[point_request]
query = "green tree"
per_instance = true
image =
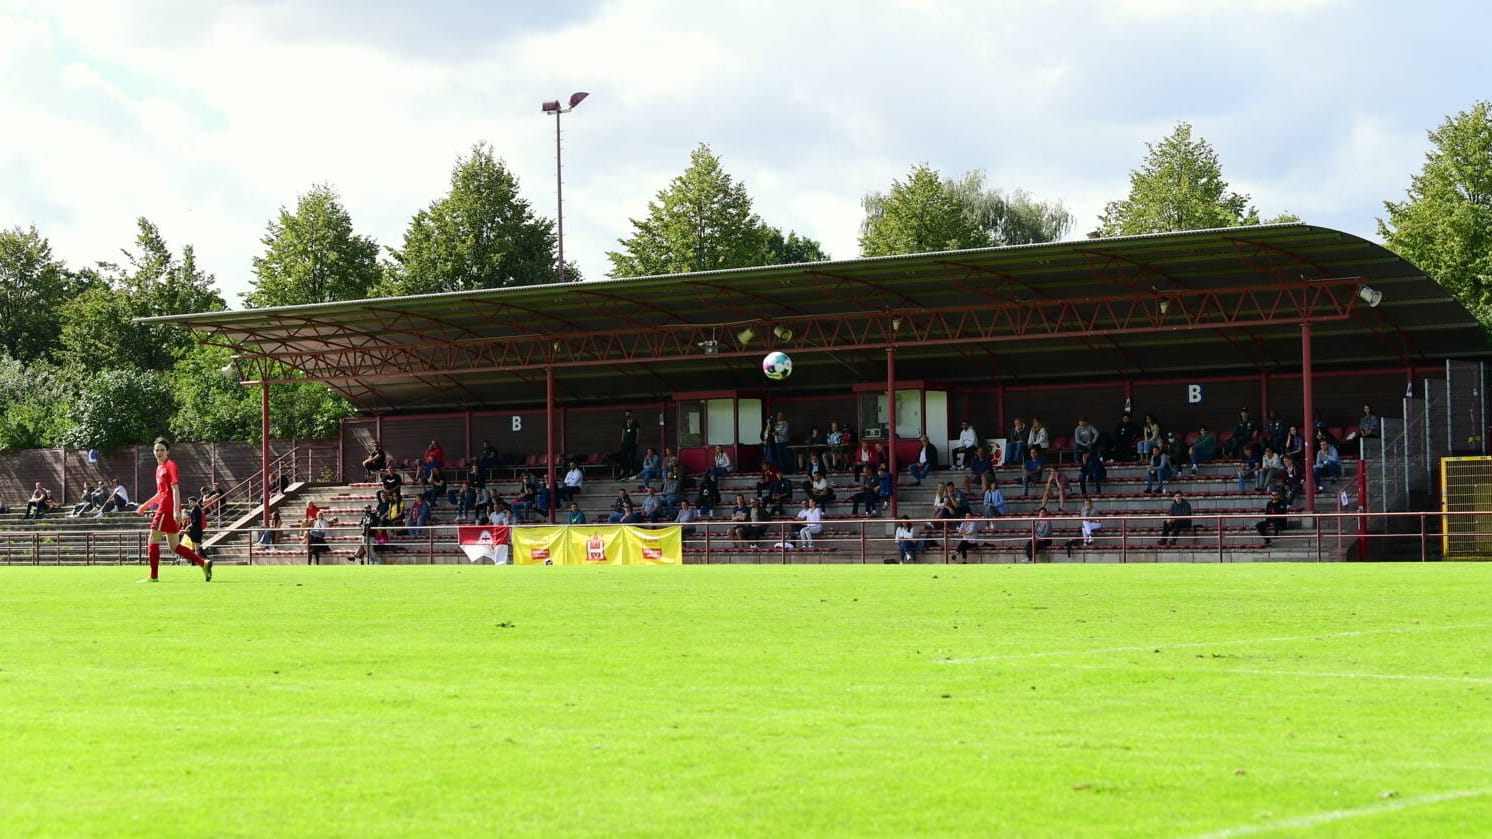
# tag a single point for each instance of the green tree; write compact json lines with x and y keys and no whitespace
{"x":1445,"y":224}
{"x":313,"y":255}
{"x":33,"y":404}
{"x":483,"y":234}
{"x":209,"y":404}
{"x":927,"y":212}
{"x":792,"y":249}
{"x":33,"y":285}
{"x":114,"y":408}
{"x":1179,"y":187}
{"x":703,"y":221}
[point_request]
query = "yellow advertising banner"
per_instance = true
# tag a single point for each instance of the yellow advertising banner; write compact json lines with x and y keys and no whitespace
{"x":598,"y":545}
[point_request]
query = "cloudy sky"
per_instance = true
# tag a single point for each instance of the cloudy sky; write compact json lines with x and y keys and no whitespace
{"x":207,"y":117}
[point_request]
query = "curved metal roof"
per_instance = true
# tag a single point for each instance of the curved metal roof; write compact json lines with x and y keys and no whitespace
{"x":1194,"y":302}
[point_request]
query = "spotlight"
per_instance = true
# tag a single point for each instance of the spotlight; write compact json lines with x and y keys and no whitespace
{"x":1165,"y":305}
{"x":1370,"y":296}
{"x":782,"y":333}
{"x":745,"y":335}
{"x":710,"y":347}
{"x":895,"y":322}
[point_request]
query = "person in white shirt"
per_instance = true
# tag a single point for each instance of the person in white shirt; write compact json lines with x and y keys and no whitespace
{"x":906,"y":545}
{"x":811,"y":516}
{"x":968,"y":443}
{"x":722,"y":462}
{"x":686,"y":516}
{"x":572,"y":484}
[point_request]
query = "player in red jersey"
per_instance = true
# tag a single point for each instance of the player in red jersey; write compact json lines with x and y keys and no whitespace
{"x":165,"y":524}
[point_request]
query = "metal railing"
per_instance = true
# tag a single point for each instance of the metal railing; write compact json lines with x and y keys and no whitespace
{"x":1225,"y":537}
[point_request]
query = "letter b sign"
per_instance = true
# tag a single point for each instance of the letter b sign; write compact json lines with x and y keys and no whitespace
{"x":517,"y":422}
{"x":1193,"y":394}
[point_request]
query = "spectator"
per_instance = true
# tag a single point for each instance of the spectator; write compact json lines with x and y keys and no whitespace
{"x":1092,"y":471}
{"x":1275,"y":517}
{"x":1058,"y":482}
{"x":864,"y":494}
{"x":1041,"y":535}
{"x":435,"y":489}
{"x":925,"y":462}
{"x":544,"y":500}
{"x":1292,"y":480}
{"x":1250,"y":465}
{"x":1033,"y":470}
{"x":1158,"y":472}
{"x":316,"y":538}
{"x":390,"y":481}
{"x":620,"y":505}
{"x":630,"y":515}
{"x":1270,"y":465}
{"x":526,"y":499}
{"x":1245,"y":432}
{"x":1294,"y":444}
{"x":574,"y":481}
{"x":1368,"y":424}
{"x":1038,"y":437}
{"x":653,"y":508}
{"x":838,"y":450}
{"x":1328,"y":463}
{"x":994,"y":501}
{"x":36,"y":505}
{"x":708,"y":495}
{"x":722,"y":465}
{"x":268,"y":535}
{"x":197,"y":526}
{"x":119,"y":499}
{"x":1127,"y":436}
{"x":811,"y":516}
{"x":981,"y":470}
{"x":686,"y":517}
{"x":813,"y":448}
{"x":433,"y":460}
{"x":782,"y":453}
{"x":1203,"y":449}
{"x":576,"y":516}
{"x":1274,"y":431}
{"x":780,"y":495}
{"x":820,"y":491}
{"x":419,"y":513}
{"x":672,"y":492}
{"x":885,"y":487}
{"x":628,"y":454}
{"x":1150,"y":436}
{"x":1015,"y":447}
{"x":1178,"y":519}
{"x":481,"y":506}
{"x":367,"y":529}
{"x":748,"y":522}
{"x":486,"y":459}
{"x":377,"y":458}
{"x":466,"y":501}
{"x":652,"y":468}
{"x":968,"y":444}
{"x":1179,"y":451}
{"x":92,"y":498}
{"x":1090,"y":526}
{"x":1084,"y":439}
{"x":906,"y":541}
{"x":864,"y":461}
{"x":966,"y":537}
{"x":767,"y":483}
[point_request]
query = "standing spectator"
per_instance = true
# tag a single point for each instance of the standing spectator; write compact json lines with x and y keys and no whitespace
{"x":1126,"y":438}
{"x":316,"y":538}
{"x":1178,"y":519}
{"x":628,"y":455}
{"x":1041,"y":535}
{"x":968,"y":443}
{"x":782,"y":453}
{"x":1275,"y":513}
{"x":1092,"y":471}
{"x":433,"y":460}
{"x":1368,"y":424}
{"x":1274,"y":431}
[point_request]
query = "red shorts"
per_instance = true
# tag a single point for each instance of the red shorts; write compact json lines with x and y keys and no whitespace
{"x":160,"y":521}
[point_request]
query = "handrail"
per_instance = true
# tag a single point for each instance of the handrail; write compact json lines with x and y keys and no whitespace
{"x":1325,"y":535}
{"x":252,"y":488}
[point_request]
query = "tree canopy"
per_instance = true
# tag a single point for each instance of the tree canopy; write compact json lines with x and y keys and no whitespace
{"x":927,"y":212}
{"x":482,"y":234}
{"x":1180,"y":186}
{"x":33,"y":285}
{"x":1445,"y":224}
{"x":313,"y":255}
{"x":704,"y":221}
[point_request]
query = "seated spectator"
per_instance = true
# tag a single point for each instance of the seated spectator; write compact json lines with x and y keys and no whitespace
{"x":36,"y":505}
{"x":768,"y":481}
{"x":631,"y":515}
{"x":708,"y":495}
{"x":906,"y":541}
{"x":419,"y":513}
{"x":815,"y":466}
{"x":780,"y":496}
{"x":1269,"y":467}
{"x":1203,"y":449}
{"x":1179,"y":451}
{"x":1090,"y":526}
{"x":722,"y":465}
{"x":1178,"y":519}
{"x":749,"y":524}
{"x":1150,"y":437}
{"x":994,"y":501}
{"x":821,"y":491}
{"x":118,"y":501}
{"x":1328,"y":463}
{"x":268,"y":535}
{"x":1084,"y":439}
{"x":811,"y":516}
{"x":865,"y":494}
{"x":653,"y":508}
{"x":486,"y":459}
{"x":968,"y":444}
{"x":524,"y":500}
{"x":1041,"y":535}
{"x":466,"y":501}
{"x":86,"y":500}
{"x":1037,"y":437}
{"x":1033,"y":470}
{"x":813,"y":447}
{"x":1294,"y":445}
{"x":1015,"y":446}
{"x":1276,"y":514}
{"x":544,"y":501}
{"x":316,"y":538}
{"x":576,"y":515}
{"x":837,"y":453}
{"x":1245,"y":432}
{"x":481,"y":508}
{"x":967,"y":538}
{"x":433,"y":460}
{"x":925,"y":461}
{"x":981,"y":470}
{"x":1292,"y":480}
{"x":672,"y":492}
{"x":390,"y":480}
{"x":1126,"y":438}
{"x":435,"y":489}
{"x":1092,"y":470}
{"x":686,"y":516}
{"x":1250,"y":463}
{"x":574,"y":481}
{"x":1274,"y":432}
{"x":864,"y":461}
{"x":885,"y":486}
{"x":620,"y":505}
{"x":652,"y":468}
{"x":377,"y":458}
{"x":1368,"y":425}
{"x":1158,"y":471}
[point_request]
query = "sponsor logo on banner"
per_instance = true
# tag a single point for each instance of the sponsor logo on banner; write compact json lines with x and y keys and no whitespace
{"x":482,"y":543}
{"x":595,"y":549}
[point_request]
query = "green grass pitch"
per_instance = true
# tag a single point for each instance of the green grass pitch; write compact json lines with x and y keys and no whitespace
{"x":898,"y":701}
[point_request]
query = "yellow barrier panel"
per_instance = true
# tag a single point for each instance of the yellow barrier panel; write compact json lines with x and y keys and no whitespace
{"x":598,"y":545}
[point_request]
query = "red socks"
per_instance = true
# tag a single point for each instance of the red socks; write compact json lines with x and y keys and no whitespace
{"x":185,"y":553}
{"x":153,"y":551}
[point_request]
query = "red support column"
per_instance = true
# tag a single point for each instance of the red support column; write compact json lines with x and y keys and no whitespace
{"x":264,"y":448}
{"x":891,"y":422}
{"x":1307,"y":425}
{"x":549,"y":440}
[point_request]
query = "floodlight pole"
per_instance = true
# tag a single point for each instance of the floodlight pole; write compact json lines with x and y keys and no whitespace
{"x":553,"y":107}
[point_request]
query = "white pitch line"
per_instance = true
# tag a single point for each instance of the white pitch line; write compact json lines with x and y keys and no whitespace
{"x":1337,"y":815}
{"x":1194,"y":644}
{"x":1228,"y":670}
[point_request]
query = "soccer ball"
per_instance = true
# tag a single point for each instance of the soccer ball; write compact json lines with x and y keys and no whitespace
{"x":777,"y":366}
